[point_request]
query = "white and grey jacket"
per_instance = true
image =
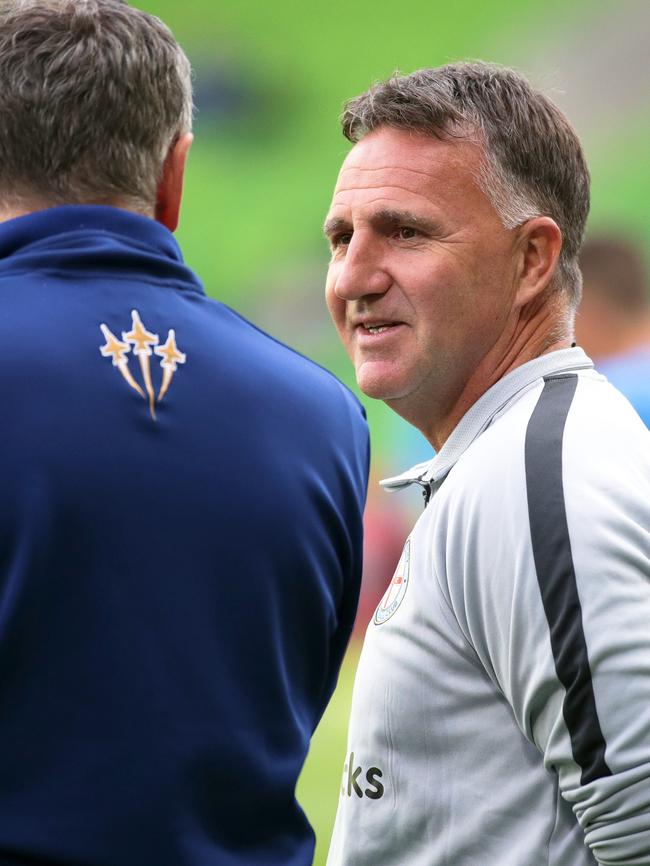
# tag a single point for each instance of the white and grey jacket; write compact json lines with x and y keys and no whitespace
{"x":501,"y":710}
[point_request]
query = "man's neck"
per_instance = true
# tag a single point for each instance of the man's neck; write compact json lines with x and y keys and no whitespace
{"x":11,"y":212}
{"x":479,"y":384}
{"x":538,"y":332}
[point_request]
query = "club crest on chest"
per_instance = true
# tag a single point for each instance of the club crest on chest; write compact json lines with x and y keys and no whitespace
{"x":396,"y":590}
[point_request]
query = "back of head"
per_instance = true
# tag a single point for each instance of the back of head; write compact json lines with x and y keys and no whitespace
{"x":532,"y":165}
{"x":92,"y":95}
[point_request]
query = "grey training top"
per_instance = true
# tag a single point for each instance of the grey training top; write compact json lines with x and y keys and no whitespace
{"x":501,"y":711}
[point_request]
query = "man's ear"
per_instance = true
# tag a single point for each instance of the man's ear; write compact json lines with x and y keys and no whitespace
{"x":170,"y":187}
{"x":540,"y":243}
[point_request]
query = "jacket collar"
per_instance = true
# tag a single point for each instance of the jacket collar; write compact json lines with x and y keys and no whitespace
{"x":93,"y":238}
{"x":481,"y":414}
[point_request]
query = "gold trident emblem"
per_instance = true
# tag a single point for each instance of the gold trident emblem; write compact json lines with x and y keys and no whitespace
{"x":142,"y":340}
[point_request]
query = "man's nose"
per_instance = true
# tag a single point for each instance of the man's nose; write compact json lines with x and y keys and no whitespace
{"x":362,"y":271}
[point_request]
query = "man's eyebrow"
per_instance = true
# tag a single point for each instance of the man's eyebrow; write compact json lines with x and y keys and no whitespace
{"x":334,"y":225}
{"x":384,"y":217}
{"x":390,"y":216}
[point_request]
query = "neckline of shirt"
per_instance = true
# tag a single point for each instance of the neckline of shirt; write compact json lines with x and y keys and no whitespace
{"x":478,"y":417}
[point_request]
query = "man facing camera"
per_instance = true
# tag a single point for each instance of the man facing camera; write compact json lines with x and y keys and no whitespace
{"x":180,"y":511}
{"x":501,"y":711}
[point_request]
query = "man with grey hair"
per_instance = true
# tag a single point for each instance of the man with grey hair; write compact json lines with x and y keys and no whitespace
{"x":182,"y":496}
{"x":501,"y":710}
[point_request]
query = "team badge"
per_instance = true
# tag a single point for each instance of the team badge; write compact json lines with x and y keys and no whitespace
{"x":396,"y":591}
{"x":143,"y":344}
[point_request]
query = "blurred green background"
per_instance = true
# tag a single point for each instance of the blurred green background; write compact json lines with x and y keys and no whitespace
{"x":270,"y":83}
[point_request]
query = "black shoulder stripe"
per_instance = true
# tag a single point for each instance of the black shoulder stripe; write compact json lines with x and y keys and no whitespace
{"x":556,"y":575}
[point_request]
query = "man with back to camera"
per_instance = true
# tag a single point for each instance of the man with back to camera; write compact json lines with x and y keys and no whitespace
{"x":181,"y":503}
{"x":501,"y":711}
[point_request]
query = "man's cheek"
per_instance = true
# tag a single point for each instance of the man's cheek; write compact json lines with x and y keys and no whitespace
{"x":336,"y":307}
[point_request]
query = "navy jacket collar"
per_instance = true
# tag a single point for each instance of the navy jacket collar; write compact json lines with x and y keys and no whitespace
{"x":95,"y":239}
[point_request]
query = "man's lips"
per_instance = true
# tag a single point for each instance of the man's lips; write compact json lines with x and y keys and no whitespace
{"x":376,"y":328}
{"x":373,"y":326}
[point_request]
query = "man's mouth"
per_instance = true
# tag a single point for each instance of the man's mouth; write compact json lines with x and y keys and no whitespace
{"x":377,"y":327}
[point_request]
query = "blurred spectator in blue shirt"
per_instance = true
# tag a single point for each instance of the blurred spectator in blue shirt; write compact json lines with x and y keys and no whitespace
{"x":613,"y":321}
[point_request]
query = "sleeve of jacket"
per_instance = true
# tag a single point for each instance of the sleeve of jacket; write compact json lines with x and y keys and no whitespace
{"x":352,"y":457}
{"x":556,"y":602}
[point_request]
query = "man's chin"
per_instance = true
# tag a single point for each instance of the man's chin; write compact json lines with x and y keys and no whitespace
{"x":380,"y":387}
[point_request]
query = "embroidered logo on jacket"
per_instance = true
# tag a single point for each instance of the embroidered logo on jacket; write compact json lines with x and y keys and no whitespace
{"x":396,"y":591}
{"x":143,"y":344}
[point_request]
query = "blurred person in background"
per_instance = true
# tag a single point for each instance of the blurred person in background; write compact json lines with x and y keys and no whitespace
{"x":501,"y":708}
{"x":613,"y":320}
{"x":181,"y":503}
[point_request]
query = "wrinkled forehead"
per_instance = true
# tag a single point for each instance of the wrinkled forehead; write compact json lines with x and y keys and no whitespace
{"x":404,"y":164}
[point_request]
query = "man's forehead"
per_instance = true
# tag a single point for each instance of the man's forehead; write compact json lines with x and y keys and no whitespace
{"x":395,"y":168}
{"x":403,"y":151}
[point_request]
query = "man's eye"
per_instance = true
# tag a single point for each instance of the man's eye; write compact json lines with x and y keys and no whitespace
{"x":406,"y":233}
{"x":341,"y":240}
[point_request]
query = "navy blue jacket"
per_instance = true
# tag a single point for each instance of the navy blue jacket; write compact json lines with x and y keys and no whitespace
{"x":180,"y":554}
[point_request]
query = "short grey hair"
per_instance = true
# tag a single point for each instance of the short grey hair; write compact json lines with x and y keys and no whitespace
{"x":532,"y":164}
{"x":93,"y":93}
